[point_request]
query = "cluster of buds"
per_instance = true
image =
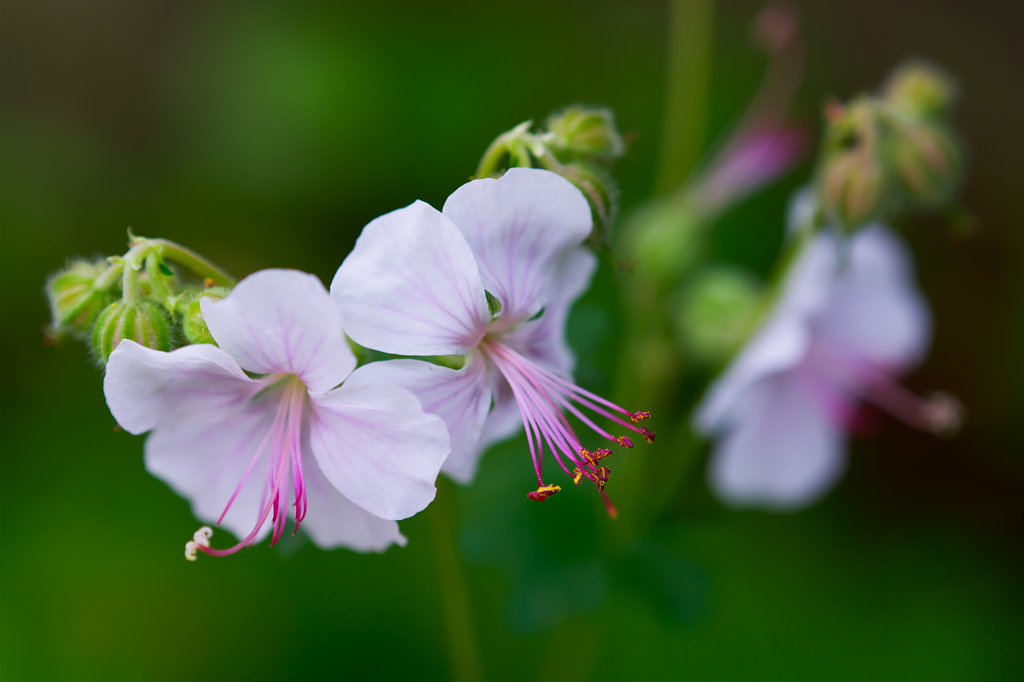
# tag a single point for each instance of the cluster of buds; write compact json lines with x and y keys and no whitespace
{"x":891,"y":153}
{"x":579,"y":143}
{"x":137,"y":296}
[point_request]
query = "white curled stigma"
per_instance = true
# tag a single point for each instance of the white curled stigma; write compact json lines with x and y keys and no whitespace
{"x":201,"y":538}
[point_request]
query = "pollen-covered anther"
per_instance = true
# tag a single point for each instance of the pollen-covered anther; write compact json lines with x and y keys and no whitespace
{"x":201,"y":538}
{"x":543,"y":492}
{"x":577,"y":474}
{"x":592,"y":458}
{"x":647,"y":434}
{"x":624,"y":441}
{"x":601,"y":477}
{"x":639,"y":416}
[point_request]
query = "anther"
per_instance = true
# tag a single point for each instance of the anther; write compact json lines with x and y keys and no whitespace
{"x":601,"y":477}
{"x":639,"y":416}
{"x":543,"y":492}
{"x":577,"y":474}
{"x":624,"y":441}
{"x":943,"y":413}
{"x":647,"y":434}
{"x":201,"y":538}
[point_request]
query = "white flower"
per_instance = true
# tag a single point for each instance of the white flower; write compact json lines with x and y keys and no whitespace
{"x":247,"y":453}
{"x":846,"y":323}
{"x":415,"y":285}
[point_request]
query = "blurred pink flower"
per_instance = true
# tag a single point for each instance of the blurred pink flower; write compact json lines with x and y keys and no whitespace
{"x":842,"y":329}
{"x":492,"y":277}
{"x":248,"y":453}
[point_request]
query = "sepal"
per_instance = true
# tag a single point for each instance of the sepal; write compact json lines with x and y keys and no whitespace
{"x":142,"y":321}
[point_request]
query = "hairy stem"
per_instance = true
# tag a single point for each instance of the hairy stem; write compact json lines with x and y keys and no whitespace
{"x":193,"y":261}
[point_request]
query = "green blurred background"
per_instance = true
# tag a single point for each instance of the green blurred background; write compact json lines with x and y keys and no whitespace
{"x":267,"y":134}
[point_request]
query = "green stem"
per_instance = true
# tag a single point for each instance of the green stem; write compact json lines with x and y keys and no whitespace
{"x":689,"y":66}
{"x":462,"y":653}
{"x":130,"y":277}
{"x":193,"y":261}
{"x":109,"y":276}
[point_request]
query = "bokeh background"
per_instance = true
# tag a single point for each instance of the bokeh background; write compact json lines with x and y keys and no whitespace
{"x":267,"y":134}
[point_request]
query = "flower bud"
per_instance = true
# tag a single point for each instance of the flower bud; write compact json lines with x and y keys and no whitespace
{"x":920,"y":89}
{"x":928,"y":163}
{"x":665,"y":239}
{"x":142,"y":321}
{"x":192,"y":322}
{"x":588,"y":132}
{"x":717,"y":313}
{"x":77,"y":296}
{"x":598,"y":187}
{"x":854,"y":188}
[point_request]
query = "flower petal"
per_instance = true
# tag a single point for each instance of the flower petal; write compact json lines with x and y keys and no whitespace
{"x":543,"y":339}
{"x":504,"y":421}
{"x":876,"y":310}
{"x":375,"y":444}
{"x":411,"y":286}
{"x":519,"y":227}
{"x":783,"y":452}
{"x":782,"y":342}
{"x":460,"y":397}
{"x":334,"y":521}
{"x":282,"y":321}
{"x":204,"y":463}
{"x":146,"y":388}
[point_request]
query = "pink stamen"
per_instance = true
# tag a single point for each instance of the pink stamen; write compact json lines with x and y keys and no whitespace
{"x":543,"y":398}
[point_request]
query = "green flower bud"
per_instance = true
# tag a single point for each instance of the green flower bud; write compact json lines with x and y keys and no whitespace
{"x":587,"y":132}
{"x":928,"y":163}
{"x":598,"y":187}
{"x":78,"y":293}
{"x":664,"y":239}
{"x":143,"y":321}
{"x":717,"y":313}
{"x":855,"y":188}
{"x":192,"y":322}
{"x":920,"y":89}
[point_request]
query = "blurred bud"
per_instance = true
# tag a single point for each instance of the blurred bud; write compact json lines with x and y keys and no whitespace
{"x":77,"y":295}
{"x":192,"y":322}
{"x":854,"y":188}
{"x":587,"y":132}
{"x":665,"y":239}
{"x":142,"y":321}
{"x":718,"y":313}
{"x":928,"y":163}
{"x":598,"y":187}
{"x":803,"y":212}
{"x":920,"y":89}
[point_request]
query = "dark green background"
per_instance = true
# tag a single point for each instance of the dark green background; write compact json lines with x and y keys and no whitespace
{"x":267,"y":135}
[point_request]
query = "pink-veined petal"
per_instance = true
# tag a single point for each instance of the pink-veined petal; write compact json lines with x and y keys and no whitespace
{"x":783,"y":451}
{"x":378,"y":447}
{"x":282,"y":321}
{"x":519,"y":228}
{"x":334,"y":521}
{"x":504,"y":421}
{"x":781,"y":343}
{"x":146,"y":388}
{"x":411,"y":286}
{"x":543,"y":339}
{"x":204,"y":463}
{"x":461,"y":398}
{"x":876,"y":311}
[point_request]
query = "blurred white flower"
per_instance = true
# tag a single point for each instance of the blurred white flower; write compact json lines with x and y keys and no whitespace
{"x":248,"y":453}
{"x":847,"y":322}
{"x":492,"y":277}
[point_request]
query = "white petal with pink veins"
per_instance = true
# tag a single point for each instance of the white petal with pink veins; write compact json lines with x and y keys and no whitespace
{"x":334,"y":521}
{"x":375,"y":444}
{"x":784,"y":451}
{"x":519,"y":227}
{"x":411,"y":286}
{"x":461,"y":398}
{"x":282,"y":321}
{"x":146,"y":388}
{"x":205,"y":464}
